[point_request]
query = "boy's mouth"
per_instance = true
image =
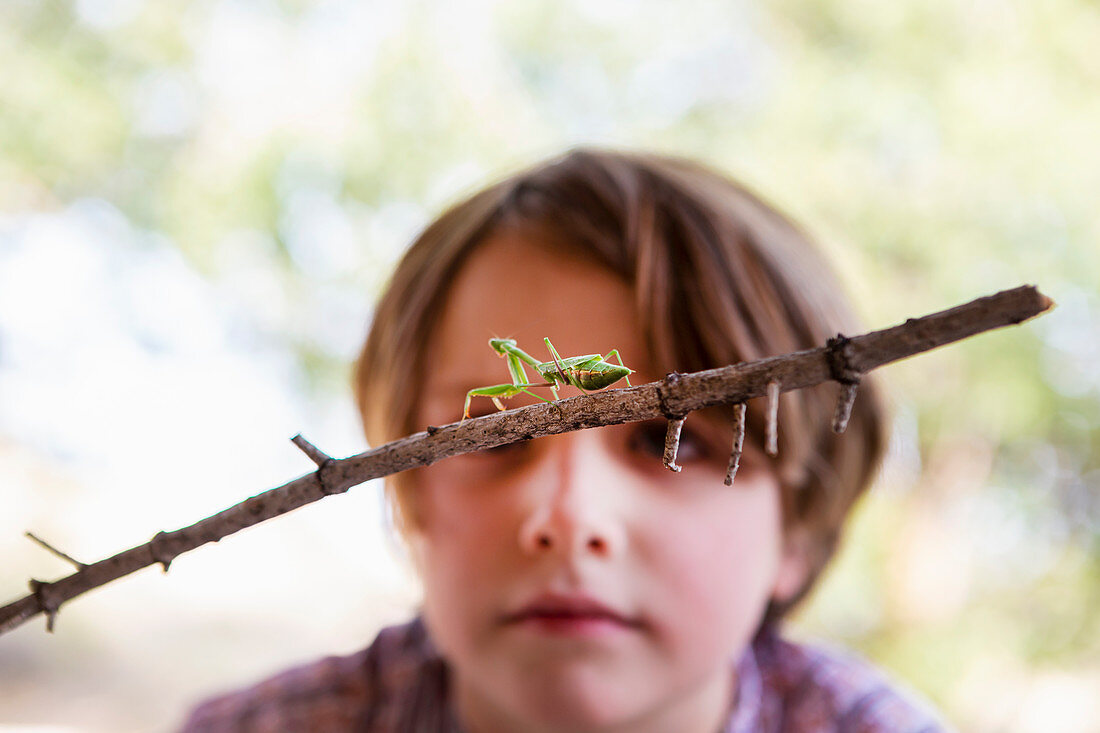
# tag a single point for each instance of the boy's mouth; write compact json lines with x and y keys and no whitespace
{"x":564,"y":611}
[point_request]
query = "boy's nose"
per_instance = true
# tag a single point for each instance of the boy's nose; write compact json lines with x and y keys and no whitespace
{"x":572,"y":514}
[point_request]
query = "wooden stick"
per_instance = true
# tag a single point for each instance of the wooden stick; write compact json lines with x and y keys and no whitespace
{"x":669,"y":398}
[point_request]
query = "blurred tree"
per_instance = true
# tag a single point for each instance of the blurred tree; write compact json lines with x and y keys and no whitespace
{"x":289,"y":150}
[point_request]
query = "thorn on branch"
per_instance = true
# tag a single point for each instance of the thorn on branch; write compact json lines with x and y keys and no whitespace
{"x":671,"y":380}
{"x":46,"y":602}
{"x":672,"y":443}
{"x":158,"y":551}
{"x":738,"y":442}
{"x":839,"y":353}
{"x":315,"y":454}
{"x":771,"y":425}
{"x":844,"y":402}
{"x":79,"y":565}
{"x":323,"y":461}
{"x":327,"y":488}
{"x":432,"y":429}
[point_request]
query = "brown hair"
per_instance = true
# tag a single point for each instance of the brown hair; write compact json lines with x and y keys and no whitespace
{"x":718,"y":277}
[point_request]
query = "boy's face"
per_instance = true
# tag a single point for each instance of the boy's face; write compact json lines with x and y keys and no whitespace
{"x":687,"y":563}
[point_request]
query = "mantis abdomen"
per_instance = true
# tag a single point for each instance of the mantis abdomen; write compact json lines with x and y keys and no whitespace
{"x":589,"y":379}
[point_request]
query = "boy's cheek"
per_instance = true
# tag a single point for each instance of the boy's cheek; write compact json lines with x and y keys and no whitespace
{"x":716,"y":569}
{"x":707,"y":606}
{"x":723,"y":553}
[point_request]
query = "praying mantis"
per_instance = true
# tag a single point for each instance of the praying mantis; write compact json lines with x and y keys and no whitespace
{"x":588,"y":372}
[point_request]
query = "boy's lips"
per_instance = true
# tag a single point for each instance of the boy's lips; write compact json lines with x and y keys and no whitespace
{"x":566,"y":608}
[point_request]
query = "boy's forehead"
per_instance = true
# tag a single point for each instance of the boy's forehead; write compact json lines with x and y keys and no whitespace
{"x":509,"y":285}
{"x":511,"y":288}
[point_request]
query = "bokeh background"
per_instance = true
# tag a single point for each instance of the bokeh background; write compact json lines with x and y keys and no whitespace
{"x":199,"y":202}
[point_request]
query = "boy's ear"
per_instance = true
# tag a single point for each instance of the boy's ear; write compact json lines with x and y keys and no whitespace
{"x":794,"y":565}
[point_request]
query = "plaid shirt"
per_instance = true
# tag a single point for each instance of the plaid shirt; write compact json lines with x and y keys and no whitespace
{"x":399,"y":685}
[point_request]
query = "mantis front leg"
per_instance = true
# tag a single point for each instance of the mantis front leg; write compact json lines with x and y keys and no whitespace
{"x":498,"y":392}
{"x":516,"y":357}
{"x":515,"y":369}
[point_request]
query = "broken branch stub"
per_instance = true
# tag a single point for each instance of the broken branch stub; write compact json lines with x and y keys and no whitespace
{"x":53,"y":550}
{"x":771,"y":420}
{"x":840,"y":365}
{"x":738,"y":442}
{"x":672,"y":443}
{"x":314,"y":453}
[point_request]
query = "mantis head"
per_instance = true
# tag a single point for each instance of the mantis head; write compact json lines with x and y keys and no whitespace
{"x":501,"y":345}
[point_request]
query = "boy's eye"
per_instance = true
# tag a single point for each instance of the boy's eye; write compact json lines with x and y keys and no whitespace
{"x":500,"y":450}
{"x":648,"y":439}
{"x":502,"y":458}
{"x":492,"y":464}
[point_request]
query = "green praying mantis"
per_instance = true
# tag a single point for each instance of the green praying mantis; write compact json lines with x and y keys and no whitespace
{"x":588,"y":372}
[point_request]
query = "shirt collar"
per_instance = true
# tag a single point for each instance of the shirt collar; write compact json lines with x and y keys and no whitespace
{"x":745,"y":717}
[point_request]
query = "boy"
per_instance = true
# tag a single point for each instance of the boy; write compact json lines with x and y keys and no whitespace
{"x":572,"y":583}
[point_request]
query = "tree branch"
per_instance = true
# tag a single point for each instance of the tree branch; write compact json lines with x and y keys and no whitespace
{"x":842,"y":360}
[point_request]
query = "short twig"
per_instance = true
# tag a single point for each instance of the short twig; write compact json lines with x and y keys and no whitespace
{"x":844,"y":402}
{"x":738,"y":442}
{"x":771,"y":417}
{"x":839,"y":349}
{"x":315,"y":454}
{"x":159,"y":552}
{"x":48,"y":602}
{"x":672,"y":443}
{"x":79,"y":565}
{"x":324,"y":464}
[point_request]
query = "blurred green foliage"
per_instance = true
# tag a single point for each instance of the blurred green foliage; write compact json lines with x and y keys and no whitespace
{"x":939,"y":150}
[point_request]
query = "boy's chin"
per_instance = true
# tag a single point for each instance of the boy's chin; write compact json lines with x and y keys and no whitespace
{"x":578,"y":698}
{"x":592,"y":708}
